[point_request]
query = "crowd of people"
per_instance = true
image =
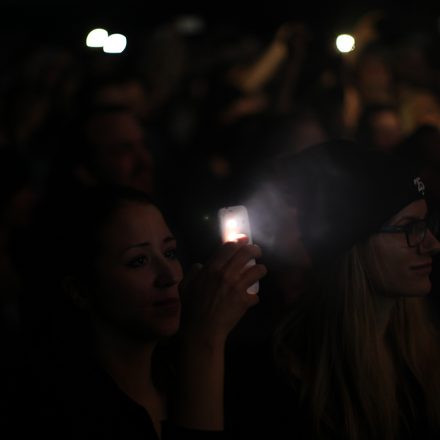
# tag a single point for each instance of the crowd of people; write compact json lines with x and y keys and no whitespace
{"x":124,"y":316}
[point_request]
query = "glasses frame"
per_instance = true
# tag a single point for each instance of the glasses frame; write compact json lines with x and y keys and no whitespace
{"x":430,"y":223}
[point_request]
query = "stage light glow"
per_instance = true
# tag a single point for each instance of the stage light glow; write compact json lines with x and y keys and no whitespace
{"x":345,"y":43}
{"x":115,"y":43}
{"x":190,"y":24}
{"x":96,"y":38}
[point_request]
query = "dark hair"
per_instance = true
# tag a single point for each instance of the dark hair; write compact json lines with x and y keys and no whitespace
{"x":64,"y":241}
{"x":84,"y":215}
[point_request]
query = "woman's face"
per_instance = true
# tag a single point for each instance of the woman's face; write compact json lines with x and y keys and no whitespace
{"x":121,"y":155}
{"x":402,"y":270}
{"x":138,"y":274}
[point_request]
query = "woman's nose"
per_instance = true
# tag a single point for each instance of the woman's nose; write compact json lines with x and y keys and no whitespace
{"x":168,"y":273}
{"x":430,"y":243}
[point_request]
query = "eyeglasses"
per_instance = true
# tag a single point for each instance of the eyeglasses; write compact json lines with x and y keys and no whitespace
{"x":415,"y":231}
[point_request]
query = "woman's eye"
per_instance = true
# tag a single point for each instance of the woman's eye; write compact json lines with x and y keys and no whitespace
{"x":139,"y":261}
{"x":171,"y":253}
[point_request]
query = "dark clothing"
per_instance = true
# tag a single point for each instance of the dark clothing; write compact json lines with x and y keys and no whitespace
{"x":97,"y":408}
{"x":73,"y":398}
{"x":258,"y":400}
{"x":100,"y":409}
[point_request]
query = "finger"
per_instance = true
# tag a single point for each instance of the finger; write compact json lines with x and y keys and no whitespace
{"x":250,"y":276}
{"x":243,"y":240}
{"x":223,"y":255}
{"x":238,"y":262}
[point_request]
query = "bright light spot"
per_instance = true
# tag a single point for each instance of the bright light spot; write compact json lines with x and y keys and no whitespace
{"x":115,"y":43}
{"x":231,"y":223}
{"x":345,"y":43}
{"x":235,"y":236}
{"x":232,"y":231}
{"x":96,"y":38}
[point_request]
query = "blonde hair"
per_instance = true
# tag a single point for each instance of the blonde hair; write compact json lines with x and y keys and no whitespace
{"x":328,"y":346}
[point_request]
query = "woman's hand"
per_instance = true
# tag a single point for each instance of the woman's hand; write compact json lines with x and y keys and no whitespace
{"x":215,"y":296}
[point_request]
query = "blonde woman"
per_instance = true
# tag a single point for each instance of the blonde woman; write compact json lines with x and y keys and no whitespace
{"x":358,"y":350}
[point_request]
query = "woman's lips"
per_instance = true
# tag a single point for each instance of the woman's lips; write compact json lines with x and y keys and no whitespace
{"x":169,"y":304}
{"x":422,"y":269}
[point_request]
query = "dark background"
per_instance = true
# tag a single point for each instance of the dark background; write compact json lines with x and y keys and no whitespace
{"x":67,"y":22}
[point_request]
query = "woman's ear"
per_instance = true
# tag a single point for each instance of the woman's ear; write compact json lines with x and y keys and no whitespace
{"x":76,"y":292}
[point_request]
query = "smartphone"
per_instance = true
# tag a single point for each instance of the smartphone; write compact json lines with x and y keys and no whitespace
{"x":234,"y":224}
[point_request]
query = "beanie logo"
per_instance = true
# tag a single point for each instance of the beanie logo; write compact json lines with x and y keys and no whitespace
{"x":420,"y":185}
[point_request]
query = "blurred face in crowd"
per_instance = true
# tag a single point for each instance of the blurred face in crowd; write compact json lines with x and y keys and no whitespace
{"x":374,"y":78}
{"x":400,"y":269}
{"x":136,"y":289}
{"x":386,"y":129}
{"x":130,"y":93}
{"x":121,"y":156}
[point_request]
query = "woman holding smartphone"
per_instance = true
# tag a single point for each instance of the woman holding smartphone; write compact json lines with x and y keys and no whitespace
{"x":115,"y":373}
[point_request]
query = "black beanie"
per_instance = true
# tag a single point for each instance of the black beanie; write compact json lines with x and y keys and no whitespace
{"x":344,"y":193}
